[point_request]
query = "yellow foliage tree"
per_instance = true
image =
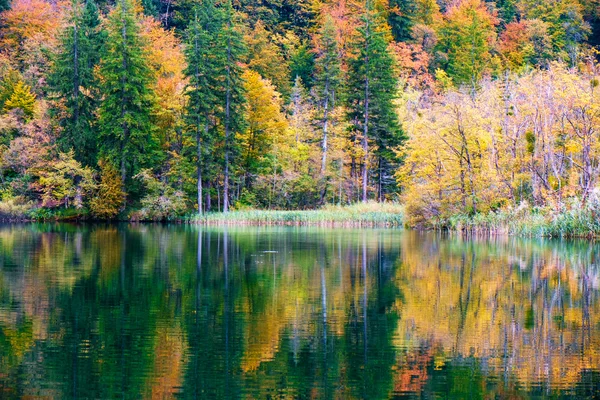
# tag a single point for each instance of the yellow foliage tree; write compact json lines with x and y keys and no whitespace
{"x":21,"y":98}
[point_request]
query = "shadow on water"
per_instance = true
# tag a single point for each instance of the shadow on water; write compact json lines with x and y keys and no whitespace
{"x":157,"y":311}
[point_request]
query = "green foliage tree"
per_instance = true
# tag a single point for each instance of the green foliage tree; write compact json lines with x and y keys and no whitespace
{"x":372,"y":87}
{"x":328,"y":78}
{"x":127,"y":131}
{"x":74,"y":83}
{"x":465,"y":38}
{"x":234,"y":101}
{"x":161,"y":201}
{"x":302,"y":63}
{"x":401,"y":19}
{"x":567,"y":28}
{"x":205,"y":69}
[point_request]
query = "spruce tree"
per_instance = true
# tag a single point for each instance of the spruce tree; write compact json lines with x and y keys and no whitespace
{"x":328,"y":75}
{"x":126,"y":127}
{"x":73,"y":81}
{"x":372,"y":87}
{"x":234,"y":101}
{"x":401,"y":19}
{"x":205,"y":69}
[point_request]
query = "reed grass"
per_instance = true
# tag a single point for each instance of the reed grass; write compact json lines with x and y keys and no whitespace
{"x":570,"y":221}
{"x":369,"y":214}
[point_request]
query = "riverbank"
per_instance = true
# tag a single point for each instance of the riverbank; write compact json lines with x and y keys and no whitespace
{"x":570,"y":222}
{"x":358,"y":215}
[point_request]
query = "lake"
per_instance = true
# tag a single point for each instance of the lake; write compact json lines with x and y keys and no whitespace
{"x":179,"y":311}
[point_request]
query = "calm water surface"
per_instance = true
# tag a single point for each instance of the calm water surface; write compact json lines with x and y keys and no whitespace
{"x":152,"y":311}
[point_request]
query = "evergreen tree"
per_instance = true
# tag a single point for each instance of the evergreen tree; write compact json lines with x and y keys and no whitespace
{"x":126,"y":127}
{"x":302,"y":64}
{"x":372,"y":87}
{"x":74,"y":82}
{"x":328,"y":74}
{"x":205,"y":70}
{"x":401,"y":19}
{"x":233,"y":118}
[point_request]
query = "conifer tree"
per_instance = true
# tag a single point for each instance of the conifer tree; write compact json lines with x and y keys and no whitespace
{"x":328,"y":78}
{"x":233,"y":118}
{"x":73,"y":80}
{"x":372,"y":87}
{"x":126,"y":127}
{"x":205,"y":69}
{"x":401,"y":19}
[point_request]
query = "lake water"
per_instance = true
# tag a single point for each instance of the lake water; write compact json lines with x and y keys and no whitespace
{"x":155,"y":311}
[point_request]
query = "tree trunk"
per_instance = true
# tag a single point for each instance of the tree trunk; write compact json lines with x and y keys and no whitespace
{"x":325,"y":129}
{"x":227,"y":123}
{"x":123,"y":112}
{"x":365,"y":141}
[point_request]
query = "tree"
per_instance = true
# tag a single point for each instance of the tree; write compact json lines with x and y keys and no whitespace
{"x":26,"y":20}
{"x":64,"y":182}
{"x":21,"y":98}
{"x":566,"y":26}
{"x":466,"y":36}
{"x":234,"y":93}
{"x":264,"y":124}
{"x":401,"y":19}
{"x":74,"y":82}
{"x":127,"y":130}
{"x":110,"y":194}
{"x":372,"y":87}
{"x":205,"y":68}
{"x":266,"y":58}
{"x":328,"y":78}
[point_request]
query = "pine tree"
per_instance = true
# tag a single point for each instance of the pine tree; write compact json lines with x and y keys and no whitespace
{"x":233,"y":118}
{"x":372,"y":87}
{"x":204,"y":71}
{"x":328,"y":78}
{"x":401,"y":19}
{"x":125,"y":116}
{"x":73,"y":80}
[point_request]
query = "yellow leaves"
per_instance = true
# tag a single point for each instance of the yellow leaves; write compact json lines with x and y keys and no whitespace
{"x":168,"y":62}
{"x":266,"y":122}
{"x":532,"y":135}
{"x":164,"y":48}
{"x":22,"y":98}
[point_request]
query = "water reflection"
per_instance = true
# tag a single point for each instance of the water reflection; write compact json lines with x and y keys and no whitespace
{"x":152,"y":311}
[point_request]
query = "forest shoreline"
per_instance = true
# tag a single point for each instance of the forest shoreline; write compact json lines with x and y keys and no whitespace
{"x":523,"y":221}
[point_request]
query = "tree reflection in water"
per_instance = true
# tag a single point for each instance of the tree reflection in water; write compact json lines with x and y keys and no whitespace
{"x":156,"y":311}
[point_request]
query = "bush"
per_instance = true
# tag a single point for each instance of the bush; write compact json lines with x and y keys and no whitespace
{"x":162,"y":202}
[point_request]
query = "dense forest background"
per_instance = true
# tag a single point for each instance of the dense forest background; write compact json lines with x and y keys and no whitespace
{"x":152,"y":110}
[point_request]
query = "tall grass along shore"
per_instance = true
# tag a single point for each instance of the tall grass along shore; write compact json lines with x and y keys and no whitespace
{"x":370,"y":214}
{"x":569,"y":221}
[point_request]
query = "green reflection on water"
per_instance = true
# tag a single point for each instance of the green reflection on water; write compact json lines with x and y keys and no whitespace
{"x":155,"y":311}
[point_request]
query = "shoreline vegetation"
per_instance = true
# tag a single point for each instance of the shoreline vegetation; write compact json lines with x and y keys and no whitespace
{"x":369,"y":214}
{"x":574,"y":221}
{"x":468,"y":115}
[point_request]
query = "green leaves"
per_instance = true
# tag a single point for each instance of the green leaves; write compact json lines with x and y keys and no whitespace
{"x":127,"y":129}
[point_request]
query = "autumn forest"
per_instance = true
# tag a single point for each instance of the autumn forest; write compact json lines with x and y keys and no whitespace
{"x":158,"y":109}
